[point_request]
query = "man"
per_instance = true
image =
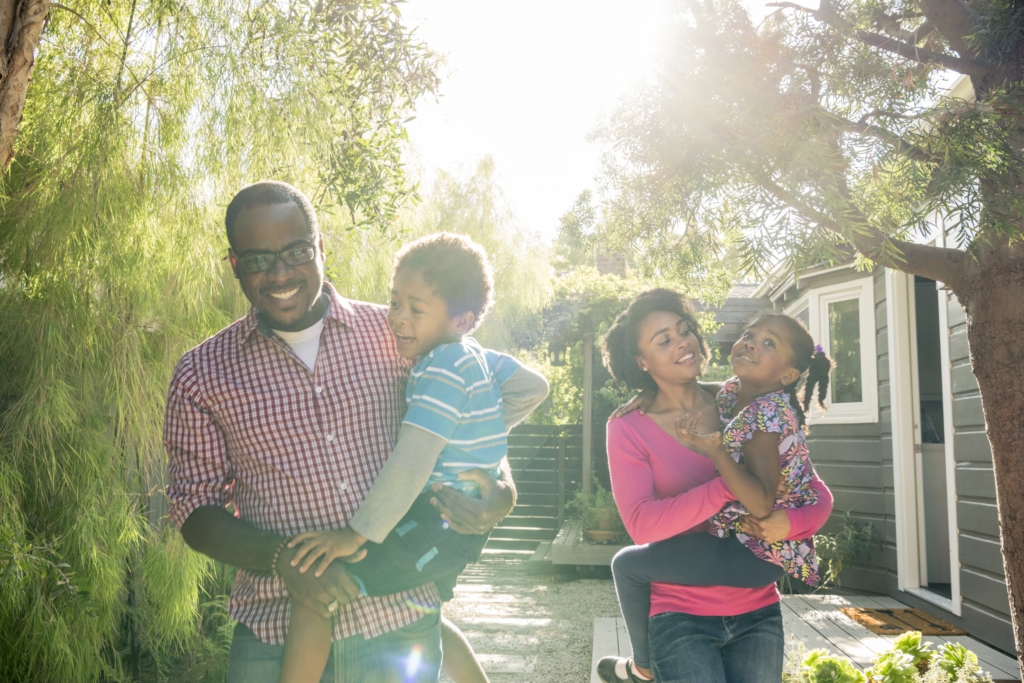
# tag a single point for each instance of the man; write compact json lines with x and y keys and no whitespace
{"x":289,"y":414}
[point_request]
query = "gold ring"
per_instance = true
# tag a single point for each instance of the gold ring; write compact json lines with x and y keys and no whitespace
{"x":333,"y":607}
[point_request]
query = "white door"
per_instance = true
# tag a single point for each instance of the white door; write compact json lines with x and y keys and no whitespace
{"x":923,"y":465}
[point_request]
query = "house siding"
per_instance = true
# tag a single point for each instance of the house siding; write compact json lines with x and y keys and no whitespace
{"x":856,"y":461}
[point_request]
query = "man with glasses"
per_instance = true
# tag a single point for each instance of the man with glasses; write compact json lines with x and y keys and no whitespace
{"x":289,"y":414}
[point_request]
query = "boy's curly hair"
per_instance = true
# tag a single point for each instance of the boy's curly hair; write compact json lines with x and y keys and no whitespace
{"x":456,"y":267}
{"x":619,"y":347}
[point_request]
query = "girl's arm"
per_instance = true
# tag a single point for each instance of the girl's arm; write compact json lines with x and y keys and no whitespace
{"x":756,"y":482}
{"x":646,"y":517}
{"x":791,"y":524}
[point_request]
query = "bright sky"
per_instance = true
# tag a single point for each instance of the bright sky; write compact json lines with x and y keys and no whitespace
{"x":526,"y":82}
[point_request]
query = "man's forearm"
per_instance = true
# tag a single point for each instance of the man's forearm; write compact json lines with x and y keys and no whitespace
{"x":216,"y":533}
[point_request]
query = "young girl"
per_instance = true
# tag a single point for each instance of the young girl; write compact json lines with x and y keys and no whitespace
{"x":762,"y":456}
{"x":441,"y":289}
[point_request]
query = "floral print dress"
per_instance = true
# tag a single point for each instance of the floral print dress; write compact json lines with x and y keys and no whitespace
{"x":771,"y":413}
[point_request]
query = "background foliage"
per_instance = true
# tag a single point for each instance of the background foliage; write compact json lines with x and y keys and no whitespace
{"x":143,"y":118}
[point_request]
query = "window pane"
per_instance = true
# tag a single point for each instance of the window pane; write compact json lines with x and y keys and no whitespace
{"x":804,"y":315}
{"x":844,"y":336}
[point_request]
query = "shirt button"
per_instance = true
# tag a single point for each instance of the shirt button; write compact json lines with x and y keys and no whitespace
{"x":343,"y":486}
{"x":319,"y":390}
{"x":330,"y":438}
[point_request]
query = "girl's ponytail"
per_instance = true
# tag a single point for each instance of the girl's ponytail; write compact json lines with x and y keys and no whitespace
{"x":818,"y":372}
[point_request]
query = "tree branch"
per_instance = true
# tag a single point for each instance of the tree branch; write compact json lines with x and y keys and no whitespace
{"x":971,"y":67}
{"x":937,"y":263}
{"x":21,"y":56}
{"x":899,"y":145}
{"x":954,"y":20}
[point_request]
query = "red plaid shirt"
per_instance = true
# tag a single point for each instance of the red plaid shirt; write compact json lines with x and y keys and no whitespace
{"x":248,"y":423}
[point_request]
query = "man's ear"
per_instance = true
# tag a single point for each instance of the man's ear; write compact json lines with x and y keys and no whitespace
{"x":234,"y":262}
{"x":463,"y":322}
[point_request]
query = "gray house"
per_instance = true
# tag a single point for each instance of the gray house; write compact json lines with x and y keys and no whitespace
{"x":903,"y":443}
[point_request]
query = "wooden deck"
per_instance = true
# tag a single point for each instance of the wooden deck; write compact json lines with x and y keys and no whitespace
{"x":815,"y":621}
{"x":570,"y":547}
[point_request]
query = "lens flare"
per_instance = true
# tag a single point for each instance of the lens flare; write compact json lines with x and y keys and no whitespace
{"x":413,"y":661}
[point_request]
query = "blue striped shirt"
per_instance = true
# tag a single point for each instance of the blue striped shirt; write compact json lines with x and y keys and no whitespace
{"x":454,"y":392}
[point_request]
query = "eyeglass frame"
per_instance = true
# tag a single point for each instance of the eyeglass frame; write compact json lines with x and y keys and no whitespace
{"x":300,"y":244}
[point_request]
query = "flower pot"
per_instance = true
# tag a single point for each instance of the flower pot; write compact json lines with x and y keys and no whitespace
{"x":602,"y":519}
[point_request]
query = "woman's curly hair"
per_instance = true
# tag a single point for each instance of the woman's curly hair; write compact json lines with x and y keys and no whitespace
{"x":619,"y":347}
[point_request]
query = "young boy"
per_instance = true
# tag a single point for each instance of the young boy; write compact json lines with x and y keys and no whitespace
{"x":441,"y":289}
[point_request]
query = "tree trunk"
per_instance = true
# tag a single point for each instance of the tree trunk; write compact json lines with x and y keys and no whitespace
{"x":993,"y":299}
{"x":21,"y":25}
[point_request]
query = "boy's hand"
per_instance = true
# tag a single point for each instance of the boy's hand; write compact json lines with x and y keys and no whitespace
{"x":642,"y":402}
{"x":331,"y":545}
{"x":468,"y":515}
{"x":708,"y":445}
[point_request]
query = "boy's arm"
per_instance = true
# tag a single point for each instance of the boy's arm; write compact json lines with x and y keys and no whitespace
{"x":521,"y":393}
{"x":400,"y":480}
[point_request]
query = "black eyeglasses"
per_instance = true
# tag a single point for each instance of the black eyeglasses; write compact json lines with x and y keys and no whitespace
{"x":293,"y":256}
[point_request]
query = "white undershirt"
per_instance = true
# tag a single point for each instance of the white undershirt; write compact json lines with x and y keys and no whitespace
{"x":305,"y":343}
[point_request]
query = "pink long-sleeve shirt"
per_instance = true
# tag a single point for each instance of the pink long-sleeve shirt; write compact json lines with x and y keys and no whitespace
{"x":663,"y":489}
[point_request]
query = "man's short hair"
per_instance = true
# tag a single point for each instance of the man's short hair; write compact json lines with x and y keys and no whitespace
{"x":456,"y":267}
{"x":268,"y":193}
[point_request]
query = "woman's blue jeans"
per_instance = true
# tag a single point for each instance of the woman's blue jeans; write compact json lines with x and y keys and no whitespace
{"x":747,"y":648}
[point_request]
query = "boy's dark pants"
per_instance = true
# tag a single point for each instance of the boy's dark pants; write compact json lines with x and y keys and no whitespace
{"x":420,"y":549}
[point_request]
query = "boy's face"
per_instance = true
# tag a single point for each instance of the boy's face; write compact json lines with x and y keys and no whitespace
{"x":419,"y":317}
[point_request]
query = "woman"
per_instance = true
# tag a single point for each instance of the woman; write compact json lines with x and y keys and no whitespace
{"x":710,"y":634}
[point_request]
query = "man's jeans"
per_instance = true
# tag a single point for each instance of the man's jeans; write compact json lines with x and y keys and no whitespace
{"x":408,"y":655}
{"x":743,"y":649}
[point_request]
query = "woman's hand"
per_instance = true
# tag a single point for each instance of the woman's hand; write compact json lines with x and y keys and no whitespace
{"x":641,"y":402}
{"x":468,"y":515}
{"x":771,"y":529}
{"x":708,"y":445}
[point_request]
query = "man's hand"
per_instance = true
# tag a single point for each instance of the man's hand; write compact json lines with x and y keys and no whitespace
{"x":468,"y":515}
{"x":330,"y":545}
{"x":317,"y":592}
{"x":642,"y":402}
{"x":771,"y":529}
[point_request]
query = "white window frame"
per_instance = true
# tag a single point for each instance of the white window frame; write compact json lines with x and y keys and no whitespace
{"x":816,"y":302}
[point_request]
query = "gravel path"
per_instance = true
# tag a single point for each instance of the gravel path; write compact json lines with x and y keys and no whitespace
{"x":528,"y":629}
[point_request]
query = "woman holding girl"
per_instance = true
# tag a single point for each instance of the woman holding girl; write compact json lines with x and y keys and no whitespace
{"x":703,"y":606}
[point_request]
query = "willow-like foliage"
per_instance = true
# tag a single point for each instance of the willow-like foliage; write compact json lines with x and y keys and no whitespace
{"x":142,"y":120}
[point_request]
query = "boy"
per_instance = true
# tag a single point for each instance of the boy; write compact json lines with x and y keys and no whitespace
{"x":441,"y":289}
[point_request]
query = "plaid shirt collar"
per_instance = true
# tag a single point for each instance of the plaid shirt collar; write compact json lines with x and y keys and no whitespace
{"x":339,"y":310}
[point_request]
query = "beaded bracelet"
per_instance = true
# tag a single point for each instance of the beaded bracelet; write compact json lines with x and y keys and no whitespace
{"x":277,"y":556}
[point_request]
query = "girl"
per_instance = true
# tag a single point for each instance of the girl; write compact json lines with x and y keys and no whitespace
{"x":762,"y":458}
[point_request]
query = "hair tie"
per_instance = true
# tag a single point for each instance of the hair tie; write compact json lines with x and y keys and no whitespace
{"x":818,"y":349}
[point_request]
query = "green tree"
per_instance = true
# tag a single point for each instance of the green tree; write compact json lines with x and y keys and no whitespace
{"x":142,"y":120}
{"x":825,"y":129}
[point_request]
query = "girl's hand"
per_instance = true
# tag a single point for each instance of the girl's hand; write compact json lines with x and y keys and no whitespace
{"x":708,"y":445}
{"x":770,"y":529}
{"x":642,"y":402}
{"x":331,"y":545}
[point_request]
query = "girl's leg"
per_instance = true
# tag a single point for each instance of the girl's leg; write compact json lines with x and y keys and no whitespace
{"x":688,"y":559}
{"x":457,"y":657}
{"x":307,"y":646}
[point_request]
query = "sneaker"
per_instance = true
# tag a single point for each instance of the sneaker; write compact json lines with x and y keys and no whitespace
{"x":606,"y":670}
